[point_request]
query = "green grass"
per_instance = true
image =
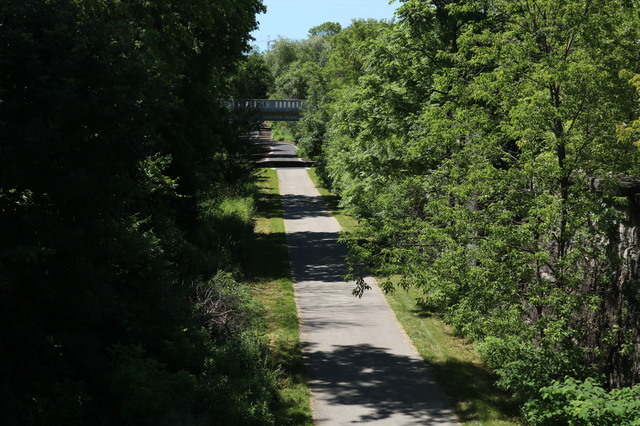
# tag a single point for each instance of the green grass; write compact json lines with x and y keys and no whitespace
{"x":283,"y":131}
{"x":271,"y":277}
{"x":348,"y":223}
{"x":453,"y":361}
{"x":455,"y":365}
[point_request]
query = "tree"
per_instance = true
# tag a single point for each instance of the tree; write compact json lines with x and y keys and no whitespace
{"x":253,"y":78}
{"x":466,"y":144}
{"x":296,"y":68}
{"x":114,"y":151}
{"x":549,"y":83}
{"x":326,"y":29}
{"x":341,"y":69}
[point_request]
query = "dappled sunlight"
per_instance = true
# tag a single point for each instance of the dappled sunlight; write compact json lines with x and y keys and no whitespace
{"x":385,"y":383}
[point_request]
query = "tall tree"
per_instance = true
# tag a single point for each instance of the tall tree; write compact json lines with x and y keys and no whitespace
{"x":112,"y":142}
{"x":468,"y":145}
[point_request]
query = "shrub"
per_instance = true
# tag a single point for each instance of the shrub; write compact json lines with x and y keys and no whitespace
{"x":239,"y":382}
{"x":523,"y":368}
{"x":575,"y":402}
{"x":225,"y":306}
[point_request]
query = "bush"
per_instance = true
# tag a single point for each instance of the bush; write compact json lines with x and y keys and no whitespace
{"x":575,"y":402}
{"x":239,"y":382}
{"x":525,"y":369}
{"x":284,"y":131}
{"x":146,"y":392}
{"x":225,"y":306}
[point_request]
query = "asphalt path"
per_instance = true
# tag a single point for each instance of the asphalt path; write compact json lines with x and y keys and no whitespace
{"x":362,"y":368}
{"x":277,"y":154}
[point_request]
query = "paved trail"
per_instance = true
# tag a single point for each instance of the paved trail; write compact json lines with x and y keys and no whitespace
{"x":362,"y":367}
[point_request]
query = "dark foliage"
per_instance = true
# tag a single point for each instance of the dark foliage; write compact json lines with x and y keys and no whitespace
{"x":114,"y":159}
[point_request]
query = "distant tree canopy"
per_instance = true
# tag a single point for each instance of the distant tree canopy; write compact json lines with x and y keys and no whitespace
{"x":466,"y":137}
{"x":253,"y":78}
{"x":326,"y":29}
{"x":124,"y":187}
{"x":313,"y":69}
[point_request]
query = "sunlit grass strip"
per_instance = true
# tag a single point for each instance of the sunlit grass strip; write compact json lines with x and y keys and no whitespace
{"x":455,"y":365}
{"x":347,"y":223}
{"x":453,"y":361}
{"x":271,"y":275}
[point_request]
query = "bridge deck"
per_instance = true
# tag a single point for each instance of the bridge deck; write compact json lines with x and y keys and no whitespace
{"x":268,"y":109}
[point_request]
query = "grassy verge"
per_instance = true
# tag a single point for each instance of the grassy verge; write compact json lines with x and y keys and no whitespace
{"x":455,"y":365}
{"x":332,"y":201}
{"x":271,"y":277}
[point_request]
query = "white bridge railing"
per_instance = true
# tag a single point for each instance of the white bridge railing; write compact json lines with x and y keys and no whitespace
{"x":265,"y":105}
{"x":267,"y":109}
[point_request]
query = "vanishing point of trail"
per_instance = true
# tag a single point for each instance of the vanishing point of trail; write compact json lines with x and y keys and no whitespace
{"x":362,"y":368}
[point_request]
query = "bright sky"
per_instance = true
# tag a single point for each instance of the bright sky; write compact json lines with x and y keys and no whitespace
{"x":293,"y":18}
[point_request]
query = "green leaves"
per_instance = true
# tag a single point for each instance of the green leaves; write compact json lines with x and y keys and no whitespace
{"x":585,"y":402}
{"x":482,"y":145}
{"x":113,"y":145}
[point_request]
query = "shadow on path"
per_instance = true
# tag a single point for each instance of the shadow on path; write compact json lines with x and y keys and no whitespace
{"x":303,"y":206}
{"x":362,"y":369}
{"x":386,"y":383}
{"x":269,"y":153}
{"x":317,"y":256}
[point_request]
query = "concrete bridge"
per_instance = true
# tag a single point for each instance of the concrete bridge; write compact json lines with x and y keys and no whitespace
{"x":268,"y":109}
